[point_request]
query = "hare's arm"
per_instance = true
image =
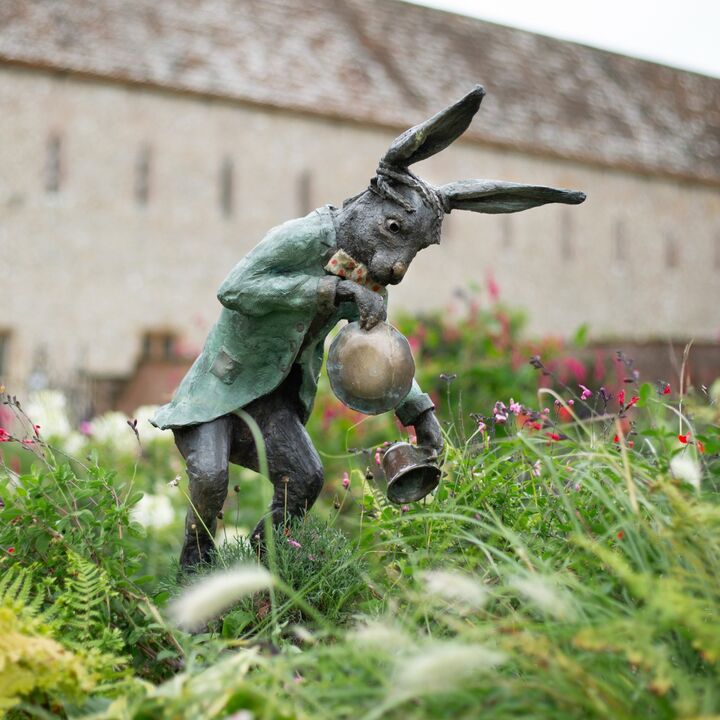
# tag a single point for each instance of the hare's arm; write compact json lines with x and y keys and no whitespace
{"x":281,"y":273}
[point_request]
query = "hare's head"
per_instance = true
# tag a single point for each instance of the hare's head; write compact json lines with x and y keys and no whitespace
{"x":399,"y":214}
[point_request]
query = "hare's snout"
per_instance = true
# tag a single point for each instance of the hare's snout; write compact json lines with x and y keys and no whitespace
{"x":398,"y":271}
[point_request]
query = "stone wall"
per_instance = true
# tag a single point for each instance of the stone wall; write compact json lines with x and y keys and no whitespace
{"x":160,"y":194}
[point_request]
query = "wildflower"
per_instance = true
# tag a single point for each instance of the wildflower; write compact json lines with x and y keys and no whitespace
{"x":686,"y":469}
{"x":210,"y":596}
{"x":405,"y":508}
{"x":545,"y":411}
{"x":536,"y":468}
{"x":620,"y":535}
{"x":412,"y":439}
{"x":377,"y":456}
{"x":554,"y":436}
{"x":542,"y":592}
{"x":500,"y":419}
{"x":621,"y":398}
{"x":666,"y":390}
{"x":481,"y":426}
{"x":28,"y":441}
{"x":616,"y":439}
{"x":11,"y":550}
{"x":536,"y":426}
{"x":153,"y":511}
{"x":633,"y":400}
{"x":346,"y":480}
{"x":375,"y":633}
{"x":442,"y":666}
{"x":4,"y":435}
{"x":515,"y":407}
{"x":699,"y":446}
{"x":586,"y":392}
{"x":294,"y":543}
{"x":36,"y":428}
{"x":85,"y":427}
{"x":536,"y":362}
{"x":684,"y":439}
{"x":571,"y":402}
{"x":455,"y":587}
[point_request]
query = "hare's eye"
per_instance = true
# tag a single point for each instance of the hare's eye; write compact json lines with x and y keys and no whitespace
{"x":392,"y":225}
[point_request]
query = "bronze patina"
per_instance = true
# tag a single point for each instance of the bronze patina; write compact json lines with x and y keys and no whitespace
{"x":263,"y":357}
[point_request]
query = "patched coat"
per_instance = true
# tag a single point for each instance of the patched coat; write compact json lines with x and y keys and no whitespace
{"x":271,"y":300}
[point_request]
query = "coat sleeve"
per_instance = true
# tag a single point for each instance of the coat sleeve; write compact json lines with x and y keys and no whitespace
{"x":276,"y":275}
{"x":416,"y":401}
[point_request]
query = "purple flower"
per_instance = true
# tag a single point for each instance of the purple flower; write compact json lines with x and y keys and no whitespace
{"x":346,"y":480}
{"x":515,"y":407}
{"x":586,"y":392}
{"x":294,"y":543}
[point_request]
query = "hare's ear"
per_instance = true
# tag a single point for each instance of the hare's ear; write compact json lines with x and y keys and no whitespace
{"x":496,"y":196}
{"x":435,"y":134}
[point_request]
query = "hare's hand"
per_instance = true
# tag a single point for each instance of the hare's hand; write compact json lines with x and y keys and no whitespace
{"x":371,"y":306}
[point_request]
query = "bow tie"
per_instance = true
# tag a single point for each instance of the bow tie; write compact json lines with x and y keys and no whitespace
{"x":342,"y":265}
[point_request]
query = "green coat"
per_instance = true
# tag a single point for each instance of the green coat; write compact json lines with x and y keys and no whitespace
{"x":269,"y":301}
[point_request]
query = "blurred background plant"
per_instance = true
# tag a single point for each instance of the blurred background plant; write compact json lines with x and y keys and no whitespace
{"x":565,"y":567}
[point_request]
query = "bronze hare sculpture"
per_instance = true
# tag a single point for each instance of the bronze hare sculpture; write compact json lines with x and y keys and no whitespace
{"x":282,"y":299}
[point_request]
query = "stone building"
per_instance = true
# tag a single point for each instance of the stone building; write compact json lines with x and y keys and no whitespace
{"x":146,"y":146}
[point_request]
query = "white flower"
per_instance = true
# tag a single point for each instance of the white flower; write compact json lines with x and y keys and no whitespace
{"x":48,"y":409}
{"x":442,"y":667}
{"x":154,"y":511}
{"x":686,"y":468}
{"x":112,"y":429}
{"x":543,"y":593}
{"x":379,"y":634}
{"x":455,"y":587}
{"x":74,"y":443}
{"x":147,"y":431}
{"x":211,"y":595}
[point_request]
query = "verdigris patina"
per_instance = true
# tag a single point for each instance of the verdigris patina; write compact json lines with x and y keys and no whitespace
{"x":282,"y":299}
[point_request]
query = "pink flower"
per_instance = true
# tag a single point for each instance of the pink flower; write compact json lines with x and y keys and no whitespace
{"x":633,"y":400}
{"x":28,"y":441}
{"x":412,"y":439}
{"x":294,"y":543}
{"x":536,"y":469}
{"x":500,"y":419}
{"x":377,"y":457}
{"x":346,"y":480}
{"x":4,"y":435}
{"x":493,"y":288}
{"x":405,"y":508}
{"x":515,"y":407}
{"x":481,"y":426}
{"x":85,"y":427}
{"x":621,"y":398}
{"x":586,"y":392}
{"x":571,"y":402}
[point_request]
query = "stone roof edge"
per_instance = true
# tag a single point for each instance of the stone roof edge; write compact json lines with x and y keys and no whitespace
{"x":289,"y":107}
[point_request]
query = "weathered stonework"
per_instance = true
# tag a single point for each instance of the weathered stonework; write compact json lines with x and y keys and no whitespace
{"x":193,"y":89}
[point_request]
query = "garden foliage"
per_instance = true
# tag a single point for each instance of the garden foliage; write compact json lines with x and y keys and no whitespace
{"x":566,"y":566}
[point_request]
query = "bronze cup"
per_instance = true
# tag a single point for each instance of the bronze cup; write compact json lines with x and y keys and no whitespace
{"x":412,"y":472}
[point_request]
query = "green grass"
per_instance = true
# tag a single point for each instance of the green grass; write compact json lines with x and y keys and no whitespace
{"x":545,"y":579}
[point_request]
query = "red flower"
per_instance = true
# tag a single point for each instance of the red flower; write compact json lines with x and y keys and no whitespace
{"x":11,"y":550}
{"x":553,"y":436}
{"x":700,"y":446}
{"x":666,"y":389}
{"x":536,"y":426}
{"x":684,"y":439}
{"x":621,"y":535}
{"x":621,"y":398}
{"x":633,"y":400}
{"x":616,"y":439}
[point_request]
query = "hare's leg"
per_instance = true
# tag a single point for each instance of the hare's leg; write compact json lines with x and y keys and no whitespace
{"x":206,"y":448}
{"x":294,"y":465}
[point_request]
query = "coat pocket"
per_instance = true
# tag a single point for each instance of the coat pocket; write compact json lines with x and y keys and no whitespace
{"x":225,"y":367}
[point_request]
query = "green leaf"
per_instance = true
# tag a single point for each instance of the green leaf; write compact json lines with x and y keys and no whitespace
{"x":581,"y":334}
{"x":646,"y":392}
